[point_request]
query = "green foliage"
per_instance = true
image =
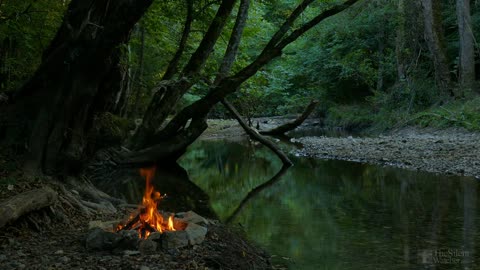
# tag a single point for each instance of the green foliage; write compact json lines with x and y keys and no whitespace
{"x":348,"y":62}
{"x":461,"y":113}
{"x":26,"y":28}
{"x":352,"y":117}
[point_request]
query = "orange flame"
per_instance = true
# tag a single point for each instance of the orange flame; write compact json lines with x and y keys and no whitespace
{"x":170,"y":224}
{"x":149,"y":219}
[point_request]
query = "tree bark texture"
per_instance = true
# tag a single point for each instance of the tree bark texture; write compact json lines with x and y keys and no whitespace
{"x":55,"y":107}
{"x":467,"y":49}
{"x":436,"y":43}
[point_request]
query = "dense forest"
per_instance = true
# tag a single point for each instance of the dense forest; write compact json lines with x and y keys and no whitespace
{"x":92,"y":91}
{"x":379,"y":64}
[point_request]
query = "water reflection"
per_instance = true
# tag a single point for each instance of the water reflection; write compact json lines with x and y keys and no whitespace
{"x":342,"y":215}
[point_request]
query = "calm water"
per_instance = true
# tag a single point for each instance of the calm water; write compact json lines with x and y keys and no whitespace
{"x":342,"y":215}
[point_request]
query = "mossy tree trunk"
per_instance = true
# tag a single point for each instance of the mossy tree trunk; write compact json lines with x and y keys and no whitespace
{"x":54,"y":109}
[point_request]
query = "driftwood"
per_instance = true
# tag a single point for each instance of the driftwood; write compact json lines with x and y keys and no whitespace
{"x":23,"y":203}
{"x":293,"y":124}
{"x":255,"y":135}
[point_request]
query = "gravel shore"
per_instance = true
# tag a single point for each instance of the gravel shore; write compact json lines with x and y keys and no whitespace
{"x":442,"y":151}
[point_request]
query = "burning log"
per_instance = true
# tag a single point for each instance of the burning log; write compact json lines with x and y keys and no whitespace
{"x":130,"y":223}
{"x":149,"y":219}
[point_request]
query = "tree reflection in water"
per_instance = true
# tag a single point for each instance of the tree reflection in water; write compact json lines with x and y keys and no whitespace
{"x":339,"y":215}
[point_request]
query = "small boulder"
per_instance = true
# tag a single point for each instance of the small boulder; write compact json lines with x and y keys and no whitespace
{"x":155,"y":236}
{"x":128,"y":240}
{"x":99,"y":239}
{"x":147,"y":246}
{"x":191,"y":217}
{"x":196,"y":233}
{"x":174,"y":239}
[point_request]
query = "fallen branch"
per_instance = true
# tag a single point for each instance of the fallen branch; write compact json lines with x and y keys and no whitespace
{"x":282,"y":129}
{"x":23,"y":203}
{"x":255,"y":135}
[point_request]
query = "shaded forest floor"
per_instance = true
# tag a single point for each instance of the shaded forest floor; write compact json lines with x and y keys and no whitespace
{"x":62,"y":248}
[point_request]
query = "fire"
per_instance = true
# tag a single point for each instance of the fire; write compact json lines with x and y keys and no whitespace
{"x":149,"y":220}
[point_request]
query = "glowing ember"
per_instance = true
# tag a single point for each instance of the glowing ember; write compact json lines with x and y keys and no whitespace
{"x":149,"y":220}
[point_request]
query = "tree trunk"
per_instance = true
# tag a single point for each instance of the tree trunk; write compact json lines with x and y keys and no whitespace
{"x":173,"y":65}
{"x":467,"y":53}
{"x":139,"y":78}
{"x":400,"y":42}
{"x":121,"y":101}
{"x":381,"y":58}
{"x":436,"y":44}
{"x":169,"y":92}
{"x":56,"y":106}
{"x":190,"y":123}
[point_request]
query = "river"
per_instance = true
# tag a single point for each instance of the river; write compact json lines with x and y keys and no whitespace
{"x":328,"y":214}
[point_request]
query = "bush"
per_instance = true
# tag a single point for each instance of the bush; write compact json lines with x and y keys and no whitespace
{"x":352,"y":117}
{"x":460,"y":113}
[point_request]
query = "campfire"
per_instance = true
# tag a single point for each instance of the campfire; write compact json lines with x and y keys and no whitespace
{"x":148,"y":228}
{"x":149,"y":219}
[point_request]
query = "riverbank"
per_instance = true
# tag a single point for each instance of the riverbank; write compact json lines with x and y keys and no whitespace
{"x":447,"y":151}
{"x":450,"y":151}
{"x":231,"y":130}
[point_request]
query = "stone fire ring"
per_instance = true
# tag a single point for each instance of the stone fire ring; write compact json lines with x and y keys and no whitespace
{"x":102,"y":236}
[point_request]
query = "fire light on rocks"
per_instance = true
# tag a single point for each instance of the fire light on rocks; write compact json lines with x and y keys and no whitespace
{"x":149,"y":229}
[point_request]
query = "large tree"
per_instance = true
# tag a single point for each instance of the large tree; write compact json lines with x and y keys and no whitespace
{"x":153,"y":143}
{"x":436,"y":43}
{"x":53,"y":111}
{"x":76,"y":80}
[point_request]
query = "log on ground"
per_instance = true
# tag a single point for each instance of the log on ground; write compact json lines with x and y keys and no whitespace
{"x":23,"y":203}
